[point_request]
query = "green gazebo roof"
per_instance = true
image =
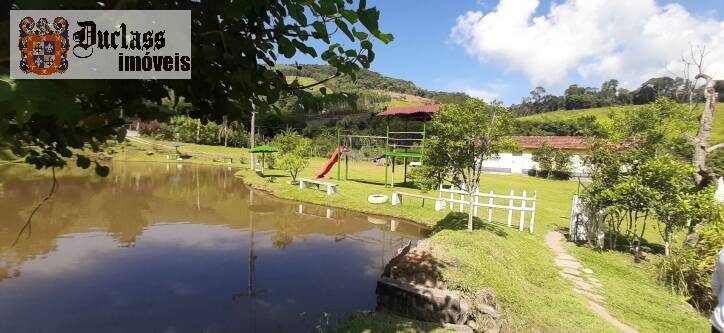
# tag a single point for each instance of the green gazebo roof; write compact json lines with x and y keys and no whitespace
{"x":263,"y":149}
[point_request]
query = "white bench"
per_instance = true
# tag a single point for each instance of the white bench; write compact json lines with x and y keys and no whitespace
{"x":304,"y":183}
{"x":397,"y":199}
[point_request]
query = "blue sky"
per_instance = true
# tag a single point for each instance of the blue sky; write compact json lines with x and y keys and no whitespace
{"x":424,"y":52}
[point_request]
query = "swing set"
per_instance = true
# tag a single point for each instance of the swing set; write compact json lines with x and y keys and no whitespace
{"x":408,"y":144}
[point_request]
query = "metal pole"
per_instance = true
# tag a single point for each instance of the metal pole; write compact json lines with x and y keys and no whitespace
{"x":252,"y":144}
{"x":424,"y":128}
{"x":339,"y":155}
{"x":387,"y":148}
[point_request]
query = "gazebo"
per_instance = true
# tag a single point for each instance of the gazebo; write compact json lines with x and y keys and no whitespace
{"x":406,"y":144}
{"x":263,"y":150}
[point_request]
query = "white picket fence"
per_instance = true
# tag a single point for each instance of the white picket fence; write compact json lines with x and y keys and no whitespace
{"x":491,"y":201}
{"x":448,"y":197}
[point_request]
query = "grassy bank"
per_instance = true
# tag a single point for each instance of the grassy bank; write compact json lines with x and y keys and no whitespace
{"x":517,"y":265}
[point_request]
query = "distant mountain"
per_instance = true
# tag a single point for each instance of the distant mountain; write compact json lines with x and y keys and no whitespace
{"x":372,"y":86}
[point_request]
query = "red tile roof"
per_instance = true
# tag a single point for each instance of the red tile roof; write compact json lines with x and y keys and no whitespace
{"x":558,"y":142}
{"x":410,"y":111}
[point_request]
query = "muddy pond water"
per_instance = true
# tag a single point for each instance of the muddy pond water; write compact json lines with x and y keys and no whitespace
{"x":181,"y":248}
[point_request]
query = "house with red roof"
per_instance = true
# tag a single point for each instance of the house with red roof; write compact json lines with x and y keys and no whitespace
{"x":521,"y":162}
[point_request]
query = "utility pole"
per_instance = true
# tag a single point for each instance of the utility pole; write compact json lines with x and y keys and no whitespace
{"x":251,"y":135}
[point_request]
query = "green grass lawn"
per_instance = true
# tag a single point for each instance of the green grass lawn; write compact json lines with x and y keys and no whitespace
{"x":517,"y":265}
{"x":717,"y":133}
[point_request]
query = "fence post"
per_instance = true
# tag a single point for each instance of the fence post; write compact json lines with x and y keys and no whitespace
{"x":510,"y":209}
{"x":452,"y":197}
{"x":532,"y":214}
{"x":462,"y":199}
{"x":396,"y":198}
{"x":522,"y":212}
{"x":490,"y":210}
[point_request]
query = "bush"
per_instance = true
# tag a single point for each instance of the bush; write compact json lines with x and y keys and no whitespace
{"x":423,"y":178}
{"x":185,"y":129}
{"x":552,"y":162}
{"x":688,"y":271}
{"x":294,"y":151}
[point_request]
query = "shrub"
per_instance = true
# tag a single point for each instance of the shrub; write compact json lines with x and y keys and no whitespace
{"x":424,"y":178}
{"x":294,"y":151}
{"x":688,"y":270}
{"x":552,"y":163}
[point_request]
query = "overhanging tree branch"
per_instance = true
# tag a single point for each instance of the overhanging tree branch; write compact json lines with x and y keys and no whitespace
{"x":28,"y":223}
{"x":318,"y":82}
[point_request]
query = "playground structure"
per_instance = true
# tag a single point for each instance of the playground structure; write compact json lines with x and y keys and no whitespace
{"x":406,"y":144}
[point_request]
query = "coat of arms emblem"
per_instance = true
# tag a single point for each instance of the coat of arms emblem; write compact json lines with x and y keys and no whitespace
{"x":43,"y":50}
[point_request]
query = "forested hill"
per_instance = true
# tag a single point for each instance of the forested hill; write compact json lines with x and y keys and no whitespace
{"x":372,"y":85}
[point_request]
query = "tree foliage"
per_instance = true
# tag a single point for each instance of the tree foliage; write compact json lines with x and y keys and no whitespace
{"x":236,"y":45}
{"x":637,"y":174}
{"x":462,"y":137}
{"x":553,"y":162}
{"x":610,"y":94}
{"x":294,"y":151}
{"x":689,"y":270}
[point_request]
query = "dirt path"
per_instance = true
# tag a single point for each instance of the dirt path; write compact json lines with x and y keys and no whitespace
{"x":585,"y":283}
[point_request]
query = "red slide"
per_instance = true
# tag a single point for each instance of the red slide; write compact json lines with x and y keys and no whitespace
{"x":330,"y":163}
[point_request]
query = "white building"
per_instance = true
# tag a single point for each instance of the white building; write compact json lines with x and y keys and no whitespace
{"x":522,"y":162}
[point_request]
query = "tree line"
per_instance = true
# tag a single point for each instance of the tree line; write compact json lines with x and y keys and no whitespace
{"x":610,"y":93}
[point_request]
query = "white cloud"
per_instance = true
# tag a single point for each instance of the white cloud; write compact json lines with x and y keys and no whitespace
{"x":482,"y":93}
{"x":488,"y":91}
{"x":598,"y":39}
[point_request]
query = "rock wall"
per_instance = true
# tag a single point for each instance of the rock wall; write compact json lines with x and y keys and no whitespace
{"x":412,"y":286}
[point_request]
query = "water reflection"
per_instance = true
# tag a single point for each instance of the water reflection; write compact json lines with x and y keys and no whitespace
{"x":157,"y":247}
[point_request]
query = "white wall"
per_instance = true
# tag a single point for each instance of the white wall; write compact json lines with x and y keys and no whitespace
{"x":520,"y":163}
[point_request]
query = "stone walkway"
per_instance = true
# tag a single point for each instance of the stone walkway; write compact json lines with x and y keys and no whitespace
{"x":584,"y":282}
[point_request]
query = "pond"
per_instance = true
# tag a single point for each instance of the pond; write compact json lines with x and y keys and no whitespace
{"x":181,"y":248}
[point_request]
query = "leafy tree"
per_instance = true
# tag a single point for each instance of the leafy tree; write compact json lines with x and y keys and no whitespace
{"x":562,"y":163}
{"x":545,"y":157}
{"x":462,"y":137}
{"x":675,"y":199}
{"x":552,"y":161}
{"x":608,"y":92}
{"x":689,"y":270}
{"x":294,"y":162}
{"x":580,"y":98}
{"x":236,"y":45}
{"x":294,"y":150}
{"x":636,"y":174}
